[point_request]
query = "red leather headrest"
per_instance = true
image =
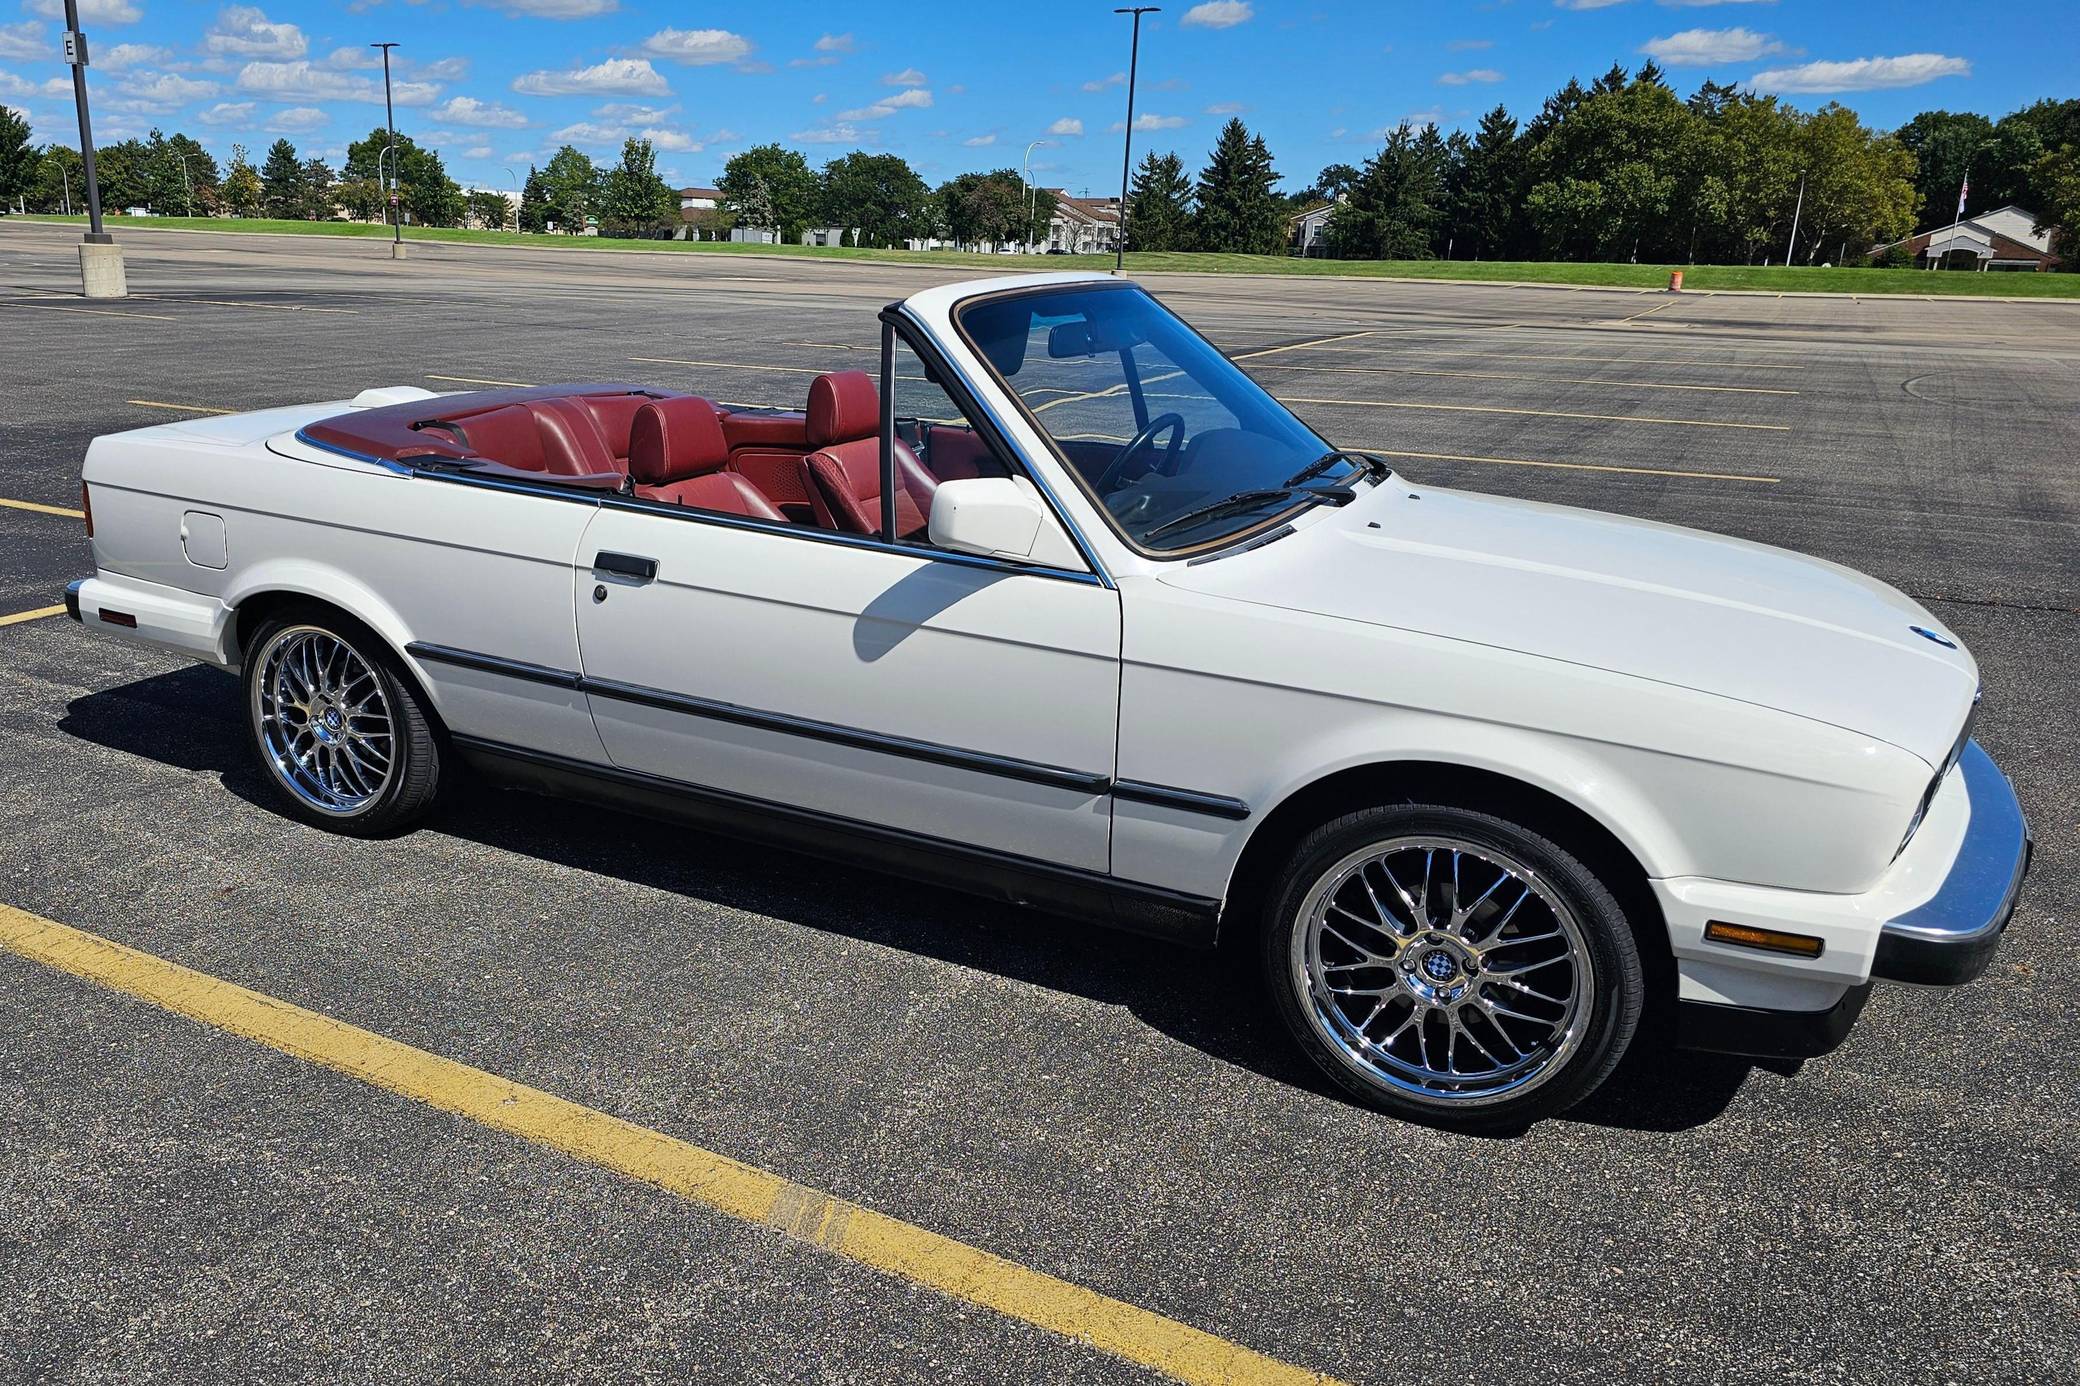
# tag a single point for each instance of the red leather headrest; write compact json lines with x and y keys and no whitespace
{"x":843,"y":406}
{"x":673,"y":439}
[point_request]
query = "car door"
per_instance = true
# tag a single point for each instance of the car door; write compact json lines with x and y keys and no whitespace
{"x":887,"y":686}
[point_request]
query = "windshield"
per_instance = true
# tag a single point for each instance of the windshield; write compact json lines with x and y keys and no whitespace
{"x":1181,"y":448}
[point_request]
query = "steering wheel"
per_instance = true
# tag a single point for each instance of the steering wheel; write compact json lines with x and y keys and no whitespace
{"x":1140,"y":442}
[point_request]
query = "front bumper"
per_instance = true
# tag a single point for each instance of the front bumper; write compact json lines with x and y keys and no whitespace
{"x":1952,"y":936}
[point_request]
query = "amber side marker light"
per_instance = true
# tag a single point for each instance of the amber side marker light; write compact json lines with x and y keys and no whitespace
{"x":119,"y":618}
{"x":1768,"y":940}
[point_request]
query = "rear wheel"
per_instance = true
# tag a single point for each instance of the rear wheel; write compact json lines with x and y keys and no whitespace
{"x":1451,"y":966}
{"x":341,"y":734}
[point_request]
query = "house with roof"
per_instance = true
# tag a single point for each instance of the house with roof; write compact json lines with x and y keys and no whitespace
{"x":1083,"y":225}
{"x":2004,"y":239}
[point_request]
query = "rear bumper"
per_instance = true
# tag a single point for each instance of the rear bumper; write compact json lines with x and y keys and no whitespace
{"x":150,"y":613}
{"x":1766,"y":1034}
{"x":1952,"y":936}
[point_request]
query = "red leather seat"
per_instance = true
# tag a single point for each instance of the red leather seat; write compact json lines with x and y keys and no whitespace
{"x":843,"y":476}
{"x":554,"y":436}
{"x":676,"y":453}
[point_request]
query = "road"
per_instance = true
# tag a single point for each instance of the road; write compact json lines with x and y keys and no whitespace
{"x":181,"y":1203}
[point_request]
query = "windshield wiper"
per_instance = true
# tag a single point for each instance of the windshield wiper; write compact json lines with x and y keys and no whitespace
{"x":1373,"y":467}
{"x":1250,"y":500}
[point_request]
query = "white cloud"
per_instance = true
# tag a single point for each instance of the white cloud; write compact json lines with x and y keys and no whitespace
{"x":1587,"y":4}
{"x":90,"y":12}
{"x":557,"y":9}
{"x":614,"y":77}
{"x":1067,"y":125}
{"x":834,"y":43}
{"x":228,"y":113}
{"x":698,"y":47}
{"x":670,"y":141}
{"x":629,"y":113}
{"x":1472,"y":74}
{"x":27,"y":40}
{"x":1703,"y":4}
{"x":22,"y":89}
{"x":1708,"y":47}
{"x":304,"y":80}
{"x":245,"y":31}
{"x":591,"y":134}
{"x":1149,"y":120}
{"x":362,"y":57}
{"x":1117,"y":79}
{"x":444,"y":70}
{"x":833,"y":134}
{"x":467,"y":110}
{"x":162,"y":91}
{"x":908,"y":77}
{"x":128,"y":55}
{"x":1218,"y":14}
{"x":477,"y":151}
{"x":296,"y":119}
{"x":980,"y":141}
{"x":909,"y":99}
{"x":1861,"y":74}
{"x":1222,"y":108}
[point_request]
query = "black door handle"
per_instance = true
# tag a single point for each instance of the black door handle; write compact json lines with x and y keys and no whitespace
{"x":625,"y":565}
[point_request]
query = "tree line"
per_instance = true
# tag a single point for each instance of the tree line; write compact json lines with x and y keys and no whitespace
{"x":1622,"y":169}
{"x":1625,"y":170}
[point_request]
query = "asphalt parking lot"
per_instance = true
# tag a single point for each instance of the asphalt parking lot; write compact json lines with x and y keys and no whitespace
{"x":179,"y":1203}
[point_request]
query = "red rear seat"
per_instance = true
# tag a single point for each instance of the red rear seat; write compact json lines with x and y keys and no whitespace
{"x":677,"y":453}
{"x":582,"y":435}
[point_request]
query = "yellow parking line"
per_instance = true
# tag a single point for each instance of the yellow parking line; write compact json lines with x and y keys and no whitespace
{"x":1620,"y":360}
{"x":1538,"y":413}
{"x":36,"y":615}
{"x":473,"y":380}
{"x":728,"y":365}
{"x":1555,"y":379}
{"x":1651,"y":311}
{"x":42,"y":509}
{"x":1301,"y":346}
{"x":238,"y":303}
{"x":184,"y":408}
{"x":1574,"y":466}
{"x":850,"y":1230}
{"x":97,"y":312}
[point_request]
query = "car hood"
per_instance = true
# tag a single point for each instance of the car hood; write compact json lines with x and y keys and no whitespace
{"x":1721,"y":616}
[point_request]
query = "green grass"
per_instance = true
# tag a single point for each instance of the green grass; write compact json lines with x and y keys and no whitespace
{"x":1701,"y":278}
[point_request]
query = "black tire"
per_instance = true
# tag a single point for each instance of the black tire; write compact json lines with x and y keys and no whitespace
{"x":411,"y":779}
{"x":1590,"y":1032}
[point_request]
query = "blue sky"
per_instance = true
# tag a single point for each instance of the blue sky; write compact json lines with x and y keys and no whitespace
{"x":497,"y":84}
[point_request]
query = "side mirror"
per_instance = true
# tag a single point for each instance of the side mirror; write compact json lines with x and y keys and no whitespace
{"x":996,"y":517}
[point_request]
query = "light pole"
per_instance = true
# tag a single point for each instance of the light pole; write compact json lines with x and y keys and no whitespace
{"x":187,"y":188}
{"x":1791,"y":245}
{"x":66,"y":174}
{"x":1126,"y":162}
{"x":390,"y":119}
{"x":100,"y":260}
{"x":1031,"y":199}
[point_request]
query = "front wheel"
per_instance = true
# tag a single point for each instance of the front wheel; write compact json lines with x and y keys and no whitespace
{"x":1450,"y":966}
{"x":340,"y":733}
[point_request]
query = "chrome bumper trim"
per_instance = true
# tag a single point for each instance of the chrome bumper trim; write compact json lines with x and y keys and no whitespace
{"x":1952,"y":937}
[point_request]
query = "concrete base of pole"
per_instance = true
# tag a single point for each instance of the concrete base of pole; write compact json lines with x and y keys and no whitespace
{"x":397,"y":250}
{"x":101,"y":271}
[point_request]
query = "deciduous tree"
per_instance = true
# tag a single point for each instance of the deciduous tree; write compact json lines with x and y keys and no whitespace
{"x":772,"y":188}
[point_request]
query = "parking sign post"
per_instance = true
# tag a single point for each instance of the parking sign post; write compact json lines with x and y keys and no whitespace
{"x":100,"y":258}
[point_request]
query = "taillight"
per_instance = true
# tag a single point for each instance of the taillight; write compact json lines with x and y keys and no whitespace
{"x":86,"y":505}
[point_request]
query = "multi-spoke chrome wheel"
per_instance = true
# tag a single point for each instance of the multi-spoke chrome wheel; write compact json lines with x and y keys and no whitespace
{"x":324,"y":723}
{"x":1447,"y":971}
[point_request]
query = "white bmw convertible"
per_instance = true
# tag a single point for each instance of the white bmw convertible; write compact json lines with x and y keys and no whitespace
{"x":1065,"y":609}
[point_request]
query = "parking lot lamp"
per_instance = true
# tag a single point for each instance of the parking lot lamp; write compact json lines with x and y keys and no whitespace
{"x":390,"y":119}
{"x":1032,"y":193}
{"x":187,"y":188}
{"x":1126,"y":162}
{"x":1792,"y":244}
{"x":100,"y":259}
{"x":66,"y":174}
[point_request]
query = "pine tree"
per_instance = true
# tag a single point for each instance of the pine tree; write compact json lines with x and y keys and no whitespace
{"x":320,"y":198}
{"x":1650,"y":72}
{"x":1394,"y":210}
{"x":1485,"y":194}
{"x":1617,"y":79}
{"x":534,"y":203}
{"x":281,"y":178}
{"x":1159,"y":213}
{"x":1238,"y":211}
{"x":17,"y":158}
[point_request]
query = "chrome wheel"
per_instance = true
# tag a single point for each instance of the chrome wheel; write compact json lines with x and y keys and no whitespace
{"x":324,"y":724}
{"x":1447,"y":972}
